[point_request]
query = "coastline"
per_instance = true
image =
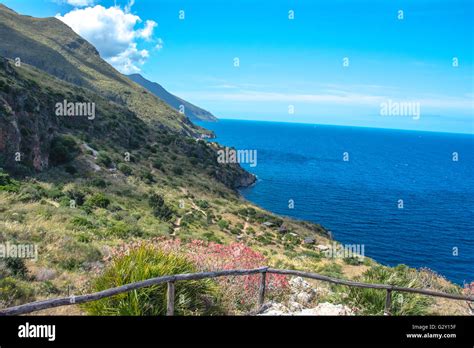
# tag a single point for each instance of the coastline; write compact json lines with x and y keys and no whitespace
{"x":257,"y":192}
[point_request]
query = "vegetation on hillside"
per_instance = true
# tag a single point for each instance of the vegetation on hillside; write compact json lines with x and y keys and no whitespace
{"x":141,"y":263}
{"x":77,"y":188}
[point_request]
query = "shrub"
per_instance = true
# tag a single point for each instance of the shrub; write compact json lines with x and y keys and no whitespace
{"x":353,"y":261}
{"x":98,"y":200}
{"x":14,"y":292}
{"x":63,"y":149}
{"x":241,"y":293}
{"x":125,"y":169}
{"x":32,"y":192}
{"x":123,"y":230}
{"x":77,"y":195}
{"x":146,"y":176}
{"x":223,"y":224}
{"x":104,"y":159}
{"x":13,"y":266}
{"x":7,"y":183}
{"x":80,"y":221}
{"x":141,"y":263}
{"x":70,"y":169}
{"x":160,"y":208}
{"x":203,"y":204}
{"x":54,"y":193}
{"x":48,"y":288}
{"x":372,"y":301}
{"x":99,"y":182}
{"x":178,"y":170}
{"x":157,"y":164}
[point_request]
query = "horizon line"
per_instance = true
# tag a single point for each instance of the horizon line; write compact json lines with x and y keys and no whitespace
{"x":336,"y":125}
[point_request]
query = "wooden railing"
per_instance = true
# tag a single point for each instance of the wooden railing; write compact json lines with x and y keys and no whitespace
{"x":172,"y":279}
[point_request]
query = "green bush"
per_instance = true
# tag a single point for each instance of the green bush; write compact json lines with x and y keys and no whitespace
{"x":223,"y":224}
{"x":372,"y":301}
{"x":146,"y":176}
{"x":13,"y":266}
{"x":104,"y":159}
{"x":63,"y":149}
{"x":14,"y":292}
{"x":235,"y":230}
{"x":123,"y":229}
{"x":77,"y":195}
{"x":158,"y":164}
{"x":203,"y":204}
{"x":70,"y":169}
{"x":192,"y":297}
{"x":178,"y":170}
{"x":353,"y":261}
{"x":160,"y":208}
{"x":7,"y":183}
{"x":32,"y":193}
{"x":99,"y":182}
{"x":54,"y":193}
{"x":125,"y":169}
{"x":80,"y":221}
{"x":98,"y":200}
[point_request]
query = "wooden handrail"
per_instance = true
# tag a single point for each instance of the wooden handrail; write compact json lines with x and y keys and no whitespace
{"x":368,"y":285}
{"x":172,"y":279}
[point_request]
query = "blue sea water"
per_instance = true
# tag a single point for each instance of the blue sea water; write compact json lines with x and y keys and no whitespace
{"x":358,"y":199}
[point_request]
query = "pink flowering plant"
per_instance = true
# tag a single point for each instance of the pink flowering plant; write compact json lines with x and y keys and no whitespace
{"x":241,"y":292}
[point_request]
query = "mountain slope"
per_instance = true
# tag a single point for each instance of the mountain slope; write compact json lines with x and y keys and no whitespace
{"x":30,"y":127}
{"x":75,"y":187}
{"x":193,"y":112}
{"x":50,"y":45}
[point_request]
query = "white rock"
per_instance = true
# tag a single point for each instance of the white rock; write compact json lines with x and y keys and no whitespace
{"x":294,"y":306}
{"x":305,"y":297}
{"x":299,"y":283}
{"x":326,"y":308}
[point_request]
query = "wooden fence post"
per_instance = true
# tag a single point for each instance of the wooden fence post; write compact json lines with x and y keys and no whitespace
{"x":170,"y":299}
{"x":388,"y":303}
{"x":261,"y":290}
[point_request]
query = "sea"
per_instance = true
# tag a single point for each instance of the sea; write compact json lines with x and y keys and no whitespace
{"x":406,"y":196}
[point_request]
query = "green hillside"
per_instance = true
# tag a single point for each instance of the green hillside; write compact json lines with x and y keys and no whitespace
{"x":78,"y":188}
{"x":53,"y":47}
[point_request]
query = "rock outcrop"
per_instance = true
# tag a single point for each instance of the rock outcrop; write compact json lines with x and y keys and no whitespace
{"x":301,"y":302}
{"x":26,"y":124}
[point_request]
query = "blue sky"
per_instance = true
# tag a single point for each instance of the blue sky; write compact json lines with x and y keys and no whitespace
{"x":293,"y":64}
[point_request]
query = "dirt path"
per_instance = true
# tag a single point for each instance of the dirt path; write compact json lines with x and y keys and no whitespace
{"x":177,"y":224}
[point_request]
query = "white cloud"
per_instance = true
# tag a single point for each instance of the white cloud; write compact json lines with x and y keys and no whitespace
{"x":80,"y":3}
{"x":128,"y":59}
{"x":147,"y":32}
{"x":113,"y":32}
{"x":159,"y":44}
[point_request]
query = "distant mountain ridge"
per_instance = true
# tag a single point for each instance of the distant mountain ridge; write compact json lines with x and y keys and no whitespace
{"x":193,"y":112}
